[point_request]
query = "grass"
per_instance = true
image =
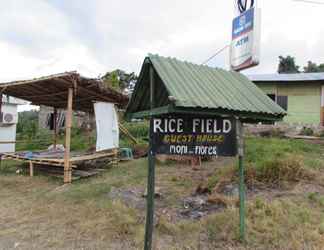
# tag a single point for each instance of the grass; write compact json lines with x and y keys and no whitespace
{"x":40,"y":214}
{"x":260,"y":150}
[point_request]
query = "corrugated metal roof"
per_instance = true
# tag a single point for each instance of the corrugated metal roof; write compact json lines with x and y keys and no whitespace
{"x":202,"y":87}
{"x":299,"y":77}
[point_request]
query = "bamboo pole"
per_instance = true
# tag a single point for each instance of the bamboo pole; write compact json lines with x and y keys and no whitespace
{"x":31,"y":169}
{"x":55,"y":128}
{"x":322,"y":106}
{"x":0,"y":120}
{"x":67,"y":163}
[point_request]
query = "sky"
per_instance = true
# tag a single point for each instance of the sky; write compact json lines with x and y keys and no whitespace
{"x":42,"y":37}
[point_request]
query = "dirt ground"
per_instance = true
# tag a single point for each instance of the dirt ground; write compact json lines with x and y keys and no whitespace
{"x":40,"y":213}
{"x":108,"y":211}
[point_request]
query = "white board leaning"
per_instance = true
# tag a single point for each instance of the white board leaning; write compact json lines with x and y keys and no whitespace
{"x":245,"y":45}
{"x":107,"y":126}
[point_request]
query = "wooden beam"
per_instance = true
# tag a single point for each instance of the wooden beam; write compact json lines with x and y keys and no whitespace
{"x":67,"y":163}
{"x":55,"y":128}
{"x":7,"y":142}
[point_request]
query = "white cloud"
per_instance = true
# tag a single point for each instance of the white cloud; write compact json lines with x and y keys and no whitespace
{"x":43,"y":37}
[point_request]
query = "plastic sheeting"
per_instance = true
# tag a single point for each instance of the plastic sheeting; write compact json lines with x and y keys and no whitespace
{"x":107,"y":126}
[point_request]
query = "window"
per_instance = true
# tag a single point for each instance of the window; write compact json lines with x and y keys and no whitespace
{"x":272,"y":97}
{"x":282,"y":101}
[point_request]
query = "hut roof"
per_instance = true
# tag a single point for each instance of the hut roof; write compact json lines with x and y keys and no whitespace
{"x":186,"y":87}
{"x":52,"y":91}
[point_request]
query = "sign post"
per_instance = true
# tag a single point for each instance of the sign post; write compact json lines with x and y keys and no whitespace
{"x":151,"y":176}
{"x":183,"y":134}
{"x":240,"y":145}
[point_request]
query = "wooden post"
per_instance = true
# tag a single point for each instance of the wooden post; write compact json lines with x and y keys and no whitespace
{"x":240,"y":144}
{"x":322,"y":106}
{"x":0,"y":120}
{"x":31,"y":169}
{"x":55,"y":128}
{"x":67,"y":163}
{"x":151,"y":177}
{"x":1,"y":107}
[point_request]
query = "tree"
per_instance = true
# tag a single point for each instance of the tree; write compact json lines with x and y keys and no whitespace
{"x":321,"y":67}
{"x":313,"y":67}
{"x":287,"y":65}
{"x":120,"y":80}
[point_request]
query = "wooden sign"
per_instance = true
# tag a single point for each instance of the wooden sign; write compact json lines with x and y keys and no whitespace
{"x":194,"y":135}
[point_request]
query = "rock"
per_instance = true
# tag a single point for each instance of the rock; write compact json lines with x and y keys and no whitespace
{"x":231,"y":190}
{"x":158,"y":194}
{"x":193,"y":203}
{"x":201,"y":189}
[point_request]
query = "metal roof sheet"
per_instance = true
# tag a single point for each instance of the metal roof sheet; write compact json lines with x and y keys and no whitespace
{"x":203,"y":87}
{"x":299,"y":77}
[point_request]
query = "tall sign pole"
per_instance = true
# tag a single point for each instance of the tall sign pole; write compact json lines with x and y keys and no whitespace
{"x":151,"y":176}
{"x":244,"y":53}
{"x":240,"y":147}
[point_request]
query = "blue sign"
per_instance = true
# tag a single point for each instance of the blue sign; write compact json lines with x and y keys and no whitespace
{"x":245,"y":40}
{"x":243,"y":24}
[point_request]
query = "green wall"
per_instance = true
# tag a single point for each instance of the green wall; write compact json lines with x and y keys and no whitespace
{"x":304,"y":101}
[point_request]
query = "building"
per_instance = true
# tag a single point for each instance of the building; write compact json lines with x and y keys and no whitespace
{"x":8,"y":123}
{"x":301,"y":95}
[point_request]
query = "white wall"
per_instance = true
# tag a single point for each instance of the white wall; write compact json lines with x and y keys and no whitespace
{"x":8,"y":131}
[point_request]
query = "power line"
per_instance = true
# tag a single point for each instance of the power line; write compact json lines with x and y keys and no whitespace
{"x":309,"y":1}
{"x":214,"y":55}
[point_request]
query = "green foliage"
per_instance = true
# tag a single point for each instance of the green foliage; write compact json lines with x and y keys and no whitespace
{"x":28,"y":123}
{"x":274,"y":161}
{"x":138,"y":129}
{"x":313,"y":67}
{"x":120,"y":80}
{"x":111,"y":80}
{"x":261,"y":150}
{"x":317,"y":198}
{"x":307,"y":131}
{"x":287,"y":65}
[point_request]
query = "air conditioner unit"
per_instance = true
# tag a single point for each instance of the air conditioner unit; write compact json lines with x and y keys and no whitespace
{"x":7,"y":118}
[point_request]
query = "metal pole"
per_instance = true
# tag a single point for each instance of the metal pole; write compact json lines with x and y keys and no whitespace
{"x":151,"y":177}
{"x":240,"y":143}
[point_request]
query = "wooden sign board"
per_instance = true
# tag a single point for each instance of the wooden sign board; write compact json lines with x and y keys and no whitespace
{"x":194,"y":135}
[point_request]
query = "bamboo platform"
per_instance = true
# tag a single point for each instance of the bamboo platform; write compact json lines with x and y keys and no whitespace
{"x":56,"y":158}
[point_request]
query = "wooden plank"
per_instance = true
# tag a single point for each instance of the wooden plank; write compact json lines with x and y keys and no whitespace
{"x":91,"y":157}
{"x":35,"y":159}
{"x":127,"y":133}
{"x":303,"y":137}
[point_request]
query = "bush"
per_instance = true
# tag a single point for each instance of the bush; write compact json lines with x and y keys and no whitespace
{"x":306,"y":131}
{"x":139,"y":130}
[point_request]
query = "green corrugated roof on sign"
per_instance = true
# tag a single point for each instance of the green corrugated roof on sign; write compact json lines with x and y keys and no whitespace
{"x":183,"y":85}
